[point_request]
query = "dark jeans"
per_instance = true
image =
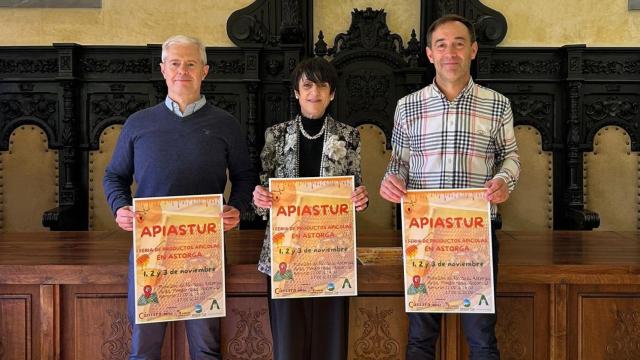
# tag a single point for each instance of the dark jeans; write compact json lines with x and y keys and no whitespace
{"x":479,"y":329}
{"x":309,"y":329}
{"x":203,"y":335}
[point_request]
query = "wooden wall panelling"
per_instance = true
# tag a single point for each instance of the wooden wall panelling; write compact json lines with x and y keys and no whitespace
{"x":94,"y":321}
{"x":378,"y":328}
{"x":20,"y":328}
{"x":558,"y":303}
{"x":246,"y":331}
{"x":523,"y":322}
{"x":603,"y":322}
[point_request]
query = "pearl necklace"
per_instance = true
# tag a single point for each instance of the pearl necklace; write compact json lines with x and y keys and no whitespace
{"x":306,"y":134}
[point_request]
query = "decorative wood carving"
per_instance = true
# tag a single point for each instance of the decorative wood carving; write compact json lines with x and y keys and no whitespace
{"x":509,"y":335}
{"x":271,"y":23}
{"x":619,"y":109}
{"x":610,"y":67}
{"x":117,"y":344}
{"x":38,"y":108}
{"x":367,"y":90}
{"x":105,"y":106}
{"x":249,"y":341}
{"x":226,"y":67}
{"x":116,"y":66}
{"x":624,"y":342}
{"x":536,"y":110}
{"x":372,"y":63}
{"x":368,"y":30}
{"x":525,"y":67}
{"x":28,"y":66}
{"x":226,"y":102}
{"x":376,"y":342}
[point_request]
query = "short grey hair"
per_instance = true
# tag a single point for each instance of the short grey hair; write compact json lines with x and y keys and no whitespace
{"x":182,"y":39}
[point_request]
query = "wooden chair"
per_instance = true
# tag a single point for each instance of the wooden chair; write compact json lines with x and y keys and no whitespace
{"x":610,"y":180}
{"x":530,"y":205}
{"x":374,"y":159}
{"x":28,"y":180}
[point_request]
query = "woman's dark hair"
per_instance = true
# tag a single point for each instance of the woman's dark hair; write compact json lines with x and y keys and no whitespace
{"x":316,"y":69}
{"x":447,"y":19}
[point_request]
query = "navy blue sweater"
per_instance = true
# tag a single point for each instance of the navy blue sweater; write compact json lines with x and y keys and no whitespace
{"x":171,"y":156}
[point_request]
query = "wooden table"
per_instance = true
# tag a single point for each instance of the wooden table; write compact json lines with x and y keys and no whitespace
{"x":561,"y":295}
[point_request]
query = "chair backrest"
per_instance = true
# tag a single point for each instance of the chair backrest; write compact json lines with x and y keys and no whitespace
{"x":100,"y":215}
{"x":374,"y":159}
{"x":530,"y":205}
{"x":610,"y":180}
{"x":28,"y":180}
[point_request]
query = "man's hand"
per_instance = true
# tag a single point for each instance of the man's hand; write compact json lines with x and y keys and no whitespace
{"x":497,"y":190}
{"x":230,"y":217}
{"x":124,"y":218}
{"x":262,"y":197}
{"x":360,"y":198}
{"x":393,"y":188}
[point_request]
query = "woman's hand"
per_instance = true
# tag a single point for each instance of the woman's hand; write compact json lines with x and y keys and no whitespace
{"x":230,"y":217}
{"x":360,"y":198}
{"x":262,"y":197}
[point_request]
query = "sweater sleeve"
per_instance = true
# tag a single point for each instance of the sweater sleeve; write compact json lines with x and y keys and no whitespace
{"x":119,"y":173}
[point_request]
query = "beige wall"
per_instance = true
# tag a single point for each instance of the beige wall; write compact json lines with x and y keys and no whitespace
{"x":121,"y":22}
{"x":561,"y":22}
{"x":140,"y":22}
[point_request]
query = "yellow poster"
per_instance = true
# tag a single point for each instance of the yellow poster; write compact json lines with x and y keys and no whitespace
{"x":447,"y":251}
{"x":178,"y":245}
{"x":313,"y":238}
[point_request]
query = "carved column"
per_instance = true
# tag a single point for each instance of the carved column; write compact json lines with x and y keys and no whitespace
{"x":252,"y":143}
{"x":71,"y":213}
{"x":576,"y":216}
{"x":574,"y":155}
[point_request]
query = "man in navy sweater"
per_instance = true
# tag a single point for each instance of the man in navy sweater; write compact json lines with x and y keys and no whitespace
{"x":183,"y":146}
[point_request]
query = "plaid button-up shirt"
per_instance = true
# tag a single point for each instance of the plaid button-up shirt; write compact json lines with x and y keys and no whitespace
{"x":442,"y":144}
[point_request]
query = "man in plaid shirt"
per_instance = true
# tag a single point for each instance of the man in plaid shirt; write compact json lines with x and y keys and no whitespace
{"x":449,"y":135}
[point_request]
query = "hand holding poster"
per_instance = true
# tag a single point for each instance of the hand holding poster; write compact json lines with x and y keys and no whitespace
{"x":179,"y":258}
{"x":313,"y":237}
{"x":447,"y":251}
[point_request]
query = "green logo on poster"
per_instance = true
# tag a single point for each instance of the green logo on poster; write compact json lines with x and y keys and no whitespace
{"x":215,"y":302}
{"x":483,"y":298}
{"x":346,"y":283}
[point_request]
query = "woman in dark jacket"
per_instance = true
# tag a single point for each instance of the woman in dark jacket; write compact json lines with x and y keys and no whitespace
{"x":312,"y":144}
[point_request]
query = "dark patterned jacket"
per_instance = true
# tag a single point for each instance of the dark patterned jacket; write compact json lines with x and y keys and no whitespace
{"x":341,"y":157}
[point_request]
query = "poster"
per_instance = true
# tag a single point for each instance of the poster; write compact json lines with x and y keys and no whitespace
{"x":313,"y":237}
{"x":178,"y":245}
{"x":447,"y":251}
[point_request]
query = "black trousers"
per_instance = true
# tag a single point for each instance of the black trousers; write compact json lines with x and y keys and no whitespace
{"x":309,"y":328}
